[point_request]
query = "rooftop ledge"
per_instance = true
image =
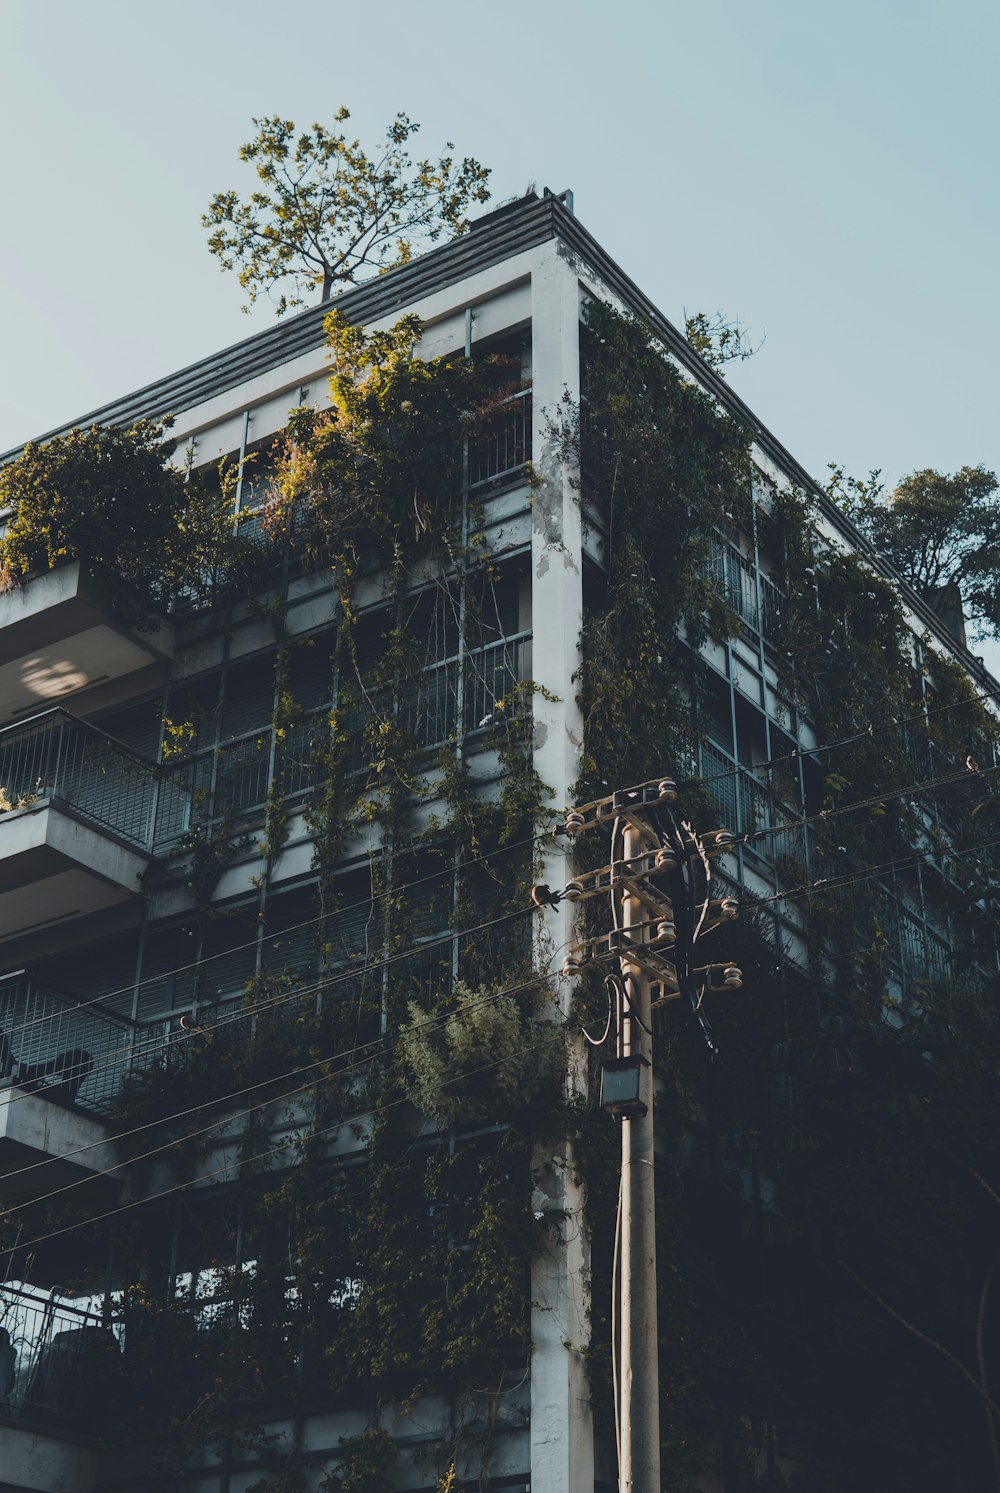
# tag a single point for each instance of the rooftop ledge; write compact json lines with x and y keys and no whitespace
{"x":59,"y":635}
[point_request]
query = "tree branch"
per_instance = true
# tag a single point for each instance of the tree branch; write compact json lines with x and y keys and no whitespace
{"x":923,"y":1338}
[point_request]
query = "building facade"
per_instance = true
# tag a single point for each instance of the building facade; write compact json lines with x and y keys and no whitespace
{"x":187,"y":879}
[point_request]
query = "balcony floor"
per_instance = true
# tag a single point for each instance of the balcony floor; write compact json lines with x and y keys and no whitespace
{"x":53,"y":866}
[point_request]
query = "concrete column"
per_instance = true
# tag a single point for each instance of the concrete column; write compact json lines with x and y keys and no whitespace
{"x":562,"y":1441}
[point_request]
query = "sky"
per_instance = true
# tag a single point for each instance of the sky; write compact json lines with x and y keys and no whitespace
{"x":821,"y":172}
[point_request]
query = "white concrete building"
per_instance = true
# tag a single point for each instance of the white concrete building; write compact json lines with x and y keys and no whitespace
{"x":106,"y":961}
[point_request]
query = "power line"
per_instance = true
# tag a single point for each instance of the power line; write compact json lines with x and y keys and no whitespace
{"x":385,"y":1048}
{"x":800,"y":753}
{"x":912,"y":790}
{"x":157,"y":1041}
{"x":794,"y":755}
{"x":196,"y":964}
{"x":867,"y":873}
{"x":260,"y":1156}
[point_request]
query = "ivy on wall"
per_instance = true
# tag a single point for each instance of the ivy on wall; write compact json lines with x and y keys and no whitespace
{"x":110,"y":498}
{"x":827,"y":1208}
{"x":399,"y":1268}
{"x":827,"y":1197}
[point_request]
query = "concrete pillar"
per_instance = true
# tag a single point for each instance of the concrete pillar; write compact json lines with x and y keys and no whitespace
{"x":562,"y":1442}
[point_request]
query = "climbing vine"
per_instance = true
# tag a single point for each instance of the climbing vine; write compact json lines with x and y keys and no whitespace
{"x":376,"y":1245}
{"x":827,"y":1192}
{"x":74,"y":498}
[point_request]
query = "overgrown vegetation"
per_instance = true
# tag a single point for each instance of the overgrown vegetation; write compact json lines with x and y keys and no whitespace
{"x":110,"y":498}
{"x":828,"y":1198}
{"x":382,"y":1251}
{"x":828,"y":1216}
{"x":328,"y":212}
{"x":941,"y":532}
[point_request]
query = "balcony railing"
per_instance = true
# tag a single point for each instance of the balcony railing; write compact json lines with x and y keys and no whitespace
{"x":53,"y":1046}
{"x":747,"y":807}
{"x":490,"y":676}
{"x":752,"y":595}
{"x":65,"y":1362}
{"x":502,"y":448}
{"x":54,"y":755}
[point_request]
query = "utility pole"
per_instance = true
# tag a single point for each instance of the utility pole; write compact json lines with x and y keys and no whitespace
{"x":659,"y":880}
{"x":638,"y":1373}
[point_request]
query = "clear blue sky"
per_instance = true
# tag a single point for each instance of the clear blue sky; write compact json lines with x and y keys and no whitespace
{"x":825,"y":172}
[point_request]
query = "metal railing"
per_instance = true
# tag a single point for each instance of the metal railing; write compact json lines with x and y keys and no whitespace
{"x":503,"y":446}
{"x":747,"y":807}
{"x":753,"y":596}
{"x":51,"y":1046}
{"x":491,"y":676}
{"x":54,"y":755}
{"x":64,"y":1362}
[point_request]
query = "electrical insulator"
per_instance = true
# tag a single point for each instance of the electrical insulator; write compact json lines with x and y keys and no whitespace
{"x":716,"y":841}
{"x":721,"y":976}
{"x":667,"y":790}
{"x":575,"y":822}
{"x":723,"y":909}
{"x":666,"y":930}
{"x":666,"y":860}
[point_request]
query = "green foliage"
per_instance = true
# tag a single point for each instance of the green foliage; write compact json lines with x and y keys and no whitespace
{"x":378,"y":474}
{"x":328,"y":212}
{"x":353,"y":1256}
{"x":938,"y":531}
{"x":664,"y":467}
{"x":364,"y":1465}
{"x":718,"y":339}
{"x":487,"y":1060}
{"x":827,"y":1203}
{"x":109,"y":497}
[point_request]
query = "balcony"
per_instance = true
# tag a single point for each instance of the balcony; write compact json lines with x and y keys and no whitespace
{"x":497,"y":453}
{"x":62,"y":1065}
{"x":65,"y":1362}
{"x":76,"y":814}
{"x":59,"y":635}
{"x":751,"y":594}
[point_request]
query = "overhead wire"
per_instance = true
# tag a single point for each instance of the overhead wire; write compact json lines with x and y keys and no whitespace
{"x":384,"y":1049}
{"x":802,"y":752}
{"x":107,"y":996}
{"x":867,"y":873}
{"x":244,"y":1161}
{"x":158,"y":1040}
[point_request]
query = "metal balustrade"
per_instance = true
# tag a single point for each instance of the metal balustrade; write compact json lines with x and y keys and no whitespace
{"x":235,"y":778}
{"x":747,"y":807}
{"x":64,"y":1361}
{"x":504,"y":445}
{"x":734,"y":577}
{"x":753,"y":596}
{"x":50,"y":1046}
{"x":54,"y":755}
{"x":490,"y":680}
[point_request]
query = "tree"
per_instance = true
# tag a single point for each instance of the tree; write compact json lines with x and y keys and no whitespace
{"x":940,"y":532}
{"x":111,"y":498}
{"x":329,"y":214}
{"x":718,"y":339}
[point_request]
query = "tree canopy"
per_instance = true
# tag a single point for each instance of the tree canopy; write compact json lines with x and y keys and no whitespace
{"x":328,"y":213}
{"x":111,"y":498}
{"x":938,"y":531}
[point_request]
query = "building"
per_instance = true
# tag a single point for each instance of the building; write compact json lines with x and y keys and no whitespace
{"x":186,"y":881}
